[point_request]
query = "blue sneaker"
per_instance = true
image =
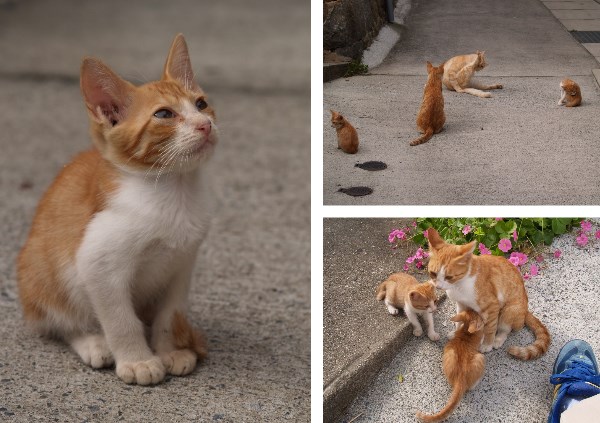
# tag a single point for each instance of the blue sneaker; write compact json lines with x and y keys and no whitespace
{"x":575,"y":376}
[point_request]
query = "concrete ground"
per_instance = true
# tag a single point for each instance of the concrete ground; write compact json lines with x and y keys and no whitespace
{"x":518,"y":147}
{"x":251,"y":287}
{"x":563,"y":297}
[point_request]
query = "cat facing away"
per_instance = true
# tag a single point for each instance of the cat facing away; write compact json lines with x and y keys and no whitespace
{"x":431,"y":117}
{"x":403,"y":291}
{"x":346,"y":133}
{"x":459,"y":70}
{"x":109,"y":258}
{"x":490,"y":285}
{"x":462,"y":363}
{"x":570,"y":93}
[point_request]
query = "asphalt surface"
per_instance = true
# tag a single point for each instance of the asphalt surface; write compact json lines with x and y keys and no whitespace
{"x":563,"y":297}
{"x":518,"y":147}
{"x":251,"y":287}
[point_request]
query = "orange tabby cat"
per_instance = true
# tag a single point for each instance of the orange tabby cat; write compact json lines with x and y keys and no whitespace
{"x":114,"y":239}
{"x":462,"y":363}
{"x":491,"y":286}
{"x":347,"y":135}
{"x":460,"y":69}
{"x":431,"y":117}
{"x":570,"y":93}
{"x":403,"y":291}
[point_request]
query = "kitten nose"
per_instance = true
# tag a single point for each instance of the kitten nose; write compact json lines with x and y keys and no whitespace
{"x":205,"y":127}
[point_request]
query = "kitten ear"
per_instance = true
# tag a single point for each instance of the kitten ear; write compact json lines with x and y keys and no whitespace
{"x":178,"y":65}
{"x":434,"y":240}
{"x":475,"y":325}
{"x":465,"y":252}
{"x":429,"y":67}
{"x":106,"y":95}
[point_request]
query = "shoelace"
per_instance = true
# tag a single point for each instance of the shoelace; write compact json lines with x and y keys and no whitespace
{"x":580,"y":371}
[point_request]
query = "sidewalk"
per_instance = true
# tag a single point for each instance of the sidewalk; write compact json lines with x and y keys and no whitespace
{"x":517,"y":147}
{"x":564,"y":297}
{"x":251,"y":286}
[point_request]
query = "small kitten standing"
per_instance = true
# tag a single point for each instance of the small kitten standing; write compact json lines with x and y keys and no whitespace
{"x":109,"y":259}
{"x":347,"y":135}
{"x":459,"y":70}
{"x":431,"y":117}
{"x":403,"y":291}
{"x":462,"y":362}
{"x":570,"y":93}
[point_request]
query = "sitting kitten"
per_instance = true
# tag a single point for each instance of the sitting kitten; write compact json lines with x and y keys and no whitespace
{"x":431,"y":117}
{"x":490,"y":285}
{"x":570,"y":93}
{"x":459,"y":70}
{"x":403,"y":291}
{"x":462,"y":363}
{"x":114,"y":239}
{"x":347,"y":135}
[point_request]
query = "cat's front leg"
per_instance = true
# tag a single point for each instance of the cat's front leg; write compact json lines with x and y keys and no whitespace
{"x":563,"y":95}
{"x":459,"y":308}
{"x":490,"y":317}
{"x":414,"y":320}
{"x":431,"y":333}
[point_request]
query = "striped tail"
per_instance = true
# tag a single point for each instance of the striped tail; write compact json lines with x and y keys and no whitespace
{"x":457,"y":394}
{"x":539,"y":346}
{"x":423,"y":138}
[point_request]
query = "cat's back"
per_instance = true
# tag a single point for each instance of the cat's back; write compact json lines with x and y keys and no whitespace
{"x":399,"y":284}
{"x":499,"y":272}
{"x":348,"y":137}
{"x":457,"y":63}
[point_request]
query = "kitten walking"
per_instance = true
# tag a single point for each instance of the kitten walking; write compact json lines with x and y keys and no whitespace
{"x":114,"y":239}
{"x":431,"y":117}
{"x":400,"y":290}
{"x":347,"y":135}
{"x":462,"y":363}
{"x":459,"y":70}
{"x":570,"y":93}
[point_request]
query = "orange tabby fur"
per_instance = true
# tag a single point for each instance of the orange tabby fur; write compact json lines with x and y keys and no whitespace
{"x":347,"y":135}
{"x":490,"y":285}
{"x":570,"y":93}
{"x":462,"y":363}
{"x":459,"y":70}
{"x":431,"y":117}
{"x":401,"y":290}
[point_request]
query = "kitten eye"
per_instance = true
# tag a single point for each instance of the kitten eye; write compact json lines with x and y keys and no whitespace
{"x":164,"y":114}
{"x":201,"y":104}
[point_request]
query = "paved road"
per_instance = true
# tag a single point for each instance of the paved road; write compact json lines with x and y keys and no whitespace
{"x":564,"y":297}
{"x":251,"y":288}
{"x":518,"y":147}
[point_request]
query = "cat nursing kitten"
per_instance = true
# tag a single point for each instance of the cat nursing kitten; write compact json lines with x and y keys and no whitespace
{"x":570,"y":93}
{"x":462,"y":363}
{"x":459,"y":70}
{"x":491,"y":286}
{"x":431,"y":117}
{"x":347,"y":135}
{"x":400,"y":290}
{"x":109,"y":258}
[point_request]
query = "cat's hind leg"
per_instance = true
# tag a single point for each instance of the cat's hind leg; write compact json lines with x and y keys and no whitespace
{"x":477,"y":93}
{"x":391,"y":309}
{"x":479,"y":86}
{"x":512,"y":317}
{"x":93,"y":350}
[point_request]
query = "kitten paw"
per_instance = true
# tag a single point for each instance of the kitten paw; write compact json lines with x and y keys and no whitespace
{"x":434,"y":336}
{"x":418,"y":332}
{"x":93,"y":351}
{"x":393,"y":311}
{"x":179,"y":362}
{"x":485,"y":348}
{"x":148,"y":372}
{"x":498,"y":342}
{"x":486,"y":95}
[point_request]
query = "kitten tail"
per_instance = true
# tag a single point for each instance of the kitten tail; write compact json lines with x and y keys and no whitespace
{"x":185,"y":336}
{"x":457,"y":394}
{"x":423,"y":138}
{"x":381,"y":292}
{"x":541,"y":344}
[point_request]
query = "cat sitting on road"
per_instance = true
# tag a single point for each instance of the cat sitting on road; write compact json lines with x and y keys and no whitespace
{"x":459,"y":70}
{"x":570,"y":93}
{"x":347,"y":135}
{"x":431,"y":117}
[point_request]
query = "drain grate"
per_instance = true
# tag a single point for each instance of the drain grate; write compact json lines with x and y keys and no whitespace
{"x":586,"y":36}
{"x":356,"y":191}
{"x":372,"y":166}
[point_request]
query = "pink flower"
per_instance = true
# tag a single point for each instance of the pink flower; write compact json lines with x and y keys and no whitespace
{"x":392,"y":235}
{"x":419,"y":264}
{"x":526,"y":276}
{"x":597,"y":234}
{"x":514,"y":260}
{"x":582,"y":240}
{"x":557,"y":254}
{"x":483,"y":250}
{"x":400,"y":235}
{"x":586,"y":225}
{"x":534,"y":270}
{"x":426,"y":233}
{"x":414,"y":224}
{"x":505,"y":245}
{"x":425,"y":254}
{"x":522,"y":258}
{"x":466,"y":229}
{"x":405,"y":267}
{"x":410,"y":259}
{"x":419,"y":253}
{"x":515,"y":236}
{"x":539,"y":259}
{"x":498,"y":219}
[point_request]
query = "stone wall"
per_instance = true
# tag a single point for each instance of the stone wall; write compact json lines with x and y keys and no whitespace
{"x":349,"y":26}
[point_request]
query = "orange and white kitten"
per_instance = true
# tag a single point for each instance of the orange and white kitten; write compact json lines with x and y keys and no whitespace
{"x":403,"y":291}
{"x":570,"y":93}
{"x":462,"y":363}
{"x":347,"y":135}
{"x":460,"y":69}
{"x":114,"y":239}
{"x":431,"y":117}
{"x":490,"y":285}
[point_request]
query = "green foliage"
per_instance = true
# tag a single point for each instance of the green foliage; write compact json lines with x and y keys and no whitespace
{"x":356,"y":68}
{"x":531,"y":232}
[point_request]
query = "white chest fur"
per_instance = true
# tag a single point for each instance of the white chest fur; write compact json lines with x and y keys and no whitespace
{"x":463,"y":292}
